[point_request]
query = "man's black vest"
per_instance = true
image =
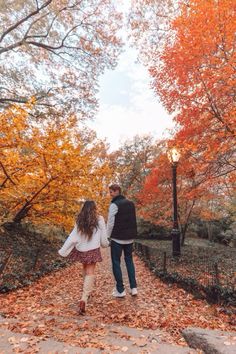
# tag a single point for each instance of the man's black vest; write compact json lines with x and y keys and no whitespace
{"x":125,"y":226}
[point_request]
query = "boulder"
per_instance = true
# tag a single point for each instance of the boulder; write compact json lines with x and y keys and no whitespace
{"x":211,"y":341}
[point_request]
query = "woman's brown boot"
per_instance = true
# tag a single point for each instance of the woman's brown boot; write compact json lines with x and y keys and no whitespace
{"x":82,"y":306}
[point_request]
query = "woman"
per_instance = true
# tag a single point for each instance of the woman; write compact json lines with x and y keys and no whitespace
{"x":84,"y":244}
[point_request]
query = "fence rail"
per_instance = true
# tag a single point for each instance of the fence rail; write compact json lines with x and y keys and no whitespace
{"x":203,"y":276}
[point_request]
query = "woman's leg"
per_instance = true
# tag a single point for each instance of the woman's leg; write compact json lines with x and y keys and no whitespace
{"x":89,"y":268}
{"x":89,"y":280}
{"x":90,"y":276}
{"x":84,"y":270}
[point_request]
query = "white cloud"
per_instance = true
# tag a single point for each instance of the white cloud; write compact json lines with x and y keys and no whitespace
{"x":128,"y":106}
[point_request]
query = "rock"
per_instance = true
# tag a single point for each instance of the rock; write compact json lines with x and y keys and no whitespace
{"x":121,"y":338}
{"x":211,"y":341}
{"x":11,"y":342}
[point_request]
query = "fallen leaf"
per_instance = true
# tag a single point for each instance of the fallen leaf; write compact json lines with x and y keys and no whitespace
{"x":124,"y":349}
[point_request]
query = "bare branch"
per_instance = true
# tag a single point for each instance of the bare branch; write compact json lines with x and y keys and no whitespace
{"x":23,"y":100}
{"x":6,"y":174}
{"x":13,"y":27}
{"x":214,"y":106}
{"x":49,"y":47}
{"x":12,"y":46}
{"x":33,"y":23}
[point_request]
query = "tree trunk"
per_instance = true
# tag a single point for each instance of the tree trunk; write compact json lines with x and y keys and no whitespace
{"x":183,"y":233}
{"x":184,"y":229}
{"x":209,"y":231}
{"x":23,"y":212}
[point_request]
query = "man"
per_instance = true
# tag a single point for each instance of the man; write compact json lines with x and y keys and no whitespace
{"x":122,"y":229}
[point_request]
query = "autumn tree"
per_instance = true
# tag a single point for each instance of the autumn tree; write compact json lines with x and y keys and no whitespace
{"x":189,"y":48}
{"x":150,"y":27}
{"x":55,"y":50}
{"x":48,"y":171}
{"x":196,"y":200}
{"x":194,"y":75}
{"x":132,"y":162}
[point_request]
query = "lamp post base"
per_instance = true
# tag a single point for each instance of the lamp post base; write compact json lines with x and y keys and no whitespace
{"x":176,"y":252}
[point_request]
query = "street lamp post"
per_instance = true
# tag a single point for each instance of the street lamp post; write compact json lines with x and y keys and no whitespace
{"x":174,"y":156}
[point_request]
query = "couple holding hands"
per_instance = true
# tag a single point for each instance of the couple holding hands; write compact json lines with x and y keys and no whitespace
{"x":90,"y":233}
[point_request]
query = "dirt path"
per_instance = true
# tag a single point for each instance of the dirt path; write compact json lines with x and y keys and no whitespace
{"x":48,"y":309}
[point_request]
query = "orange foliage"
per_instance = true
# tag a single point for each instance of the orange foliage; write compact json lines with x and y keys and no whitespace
{"x":193,"y":71}
{"x":155,"y":199}
{"x":197,"y":80}
{"x":47,"y":171}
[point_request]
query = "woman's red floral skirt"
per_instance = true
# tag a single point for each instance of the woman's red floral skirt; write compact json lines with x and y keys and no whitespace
{"x":88,"y":257}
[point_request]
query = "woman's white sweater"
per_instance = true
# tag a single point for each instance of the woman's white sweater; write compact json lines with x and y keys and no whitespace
{"x":81,"y":243}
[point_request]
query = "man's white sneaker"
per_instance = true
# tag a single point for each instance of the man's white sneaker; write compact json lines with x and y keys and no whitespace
{"x":134,"y":291}
{"x":116,"y":293}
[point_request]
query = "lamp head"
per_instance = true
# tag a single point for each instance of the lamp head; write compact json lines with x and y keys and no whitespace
{"x":173,"y":155}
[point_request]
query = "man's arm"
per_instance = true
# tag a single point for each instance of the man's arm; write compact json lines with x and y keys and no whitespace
{"x":103,"y":238}
{"x":113,"y":210}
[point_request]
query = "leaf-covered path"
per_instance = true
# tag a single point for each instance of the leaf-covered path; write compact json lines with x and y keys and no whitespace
{"x":48,"y":309}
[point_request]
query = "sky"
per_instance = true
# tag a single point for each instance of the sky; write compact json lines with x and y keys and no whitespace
{"x":128,"y":105}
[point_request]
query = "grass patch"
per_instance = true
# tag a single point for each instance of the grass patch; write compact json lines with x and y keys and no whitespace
{"x":25,"y":256}
{"x":208,"y":269}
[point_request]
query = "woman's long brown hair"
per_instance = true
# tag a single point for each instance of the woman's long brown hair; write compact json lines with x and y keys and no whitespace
{"x":87,"y":220}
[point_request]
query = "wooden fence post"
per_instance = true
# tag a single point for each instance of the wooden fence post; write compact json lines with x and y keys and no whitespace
{"x":216,"y":274}
{"x":164,"y":262}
